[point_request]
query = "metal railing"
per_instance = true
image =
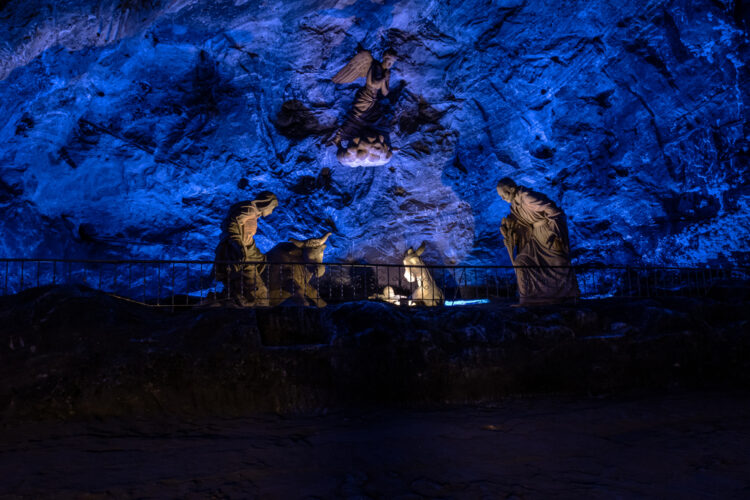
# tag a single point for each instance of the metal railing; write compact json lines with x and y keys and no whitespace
{"x":177,"y":283}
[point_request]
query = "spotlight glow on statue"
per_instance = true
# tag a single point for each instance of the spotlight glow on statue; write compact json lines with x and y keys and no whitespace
{"x":239,"y":262}
{"x":368,"y":143}
{"x":536,"y":236}
{"x":427,"y":292}
{"x":293,"y":264}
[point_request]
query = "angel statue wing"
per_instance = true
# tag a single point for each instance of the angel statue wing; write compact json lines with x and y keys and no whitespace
{"x":356,"y":68}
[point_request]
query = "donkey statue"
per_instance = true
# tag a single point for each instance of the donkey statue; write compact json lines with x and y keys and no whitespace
{"x":427,"y":292}
{"x":291,"y":266}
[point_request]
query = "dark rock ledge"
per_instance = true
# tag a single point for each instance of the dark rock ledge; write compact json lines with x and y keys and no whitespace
{"x":72,"y":351}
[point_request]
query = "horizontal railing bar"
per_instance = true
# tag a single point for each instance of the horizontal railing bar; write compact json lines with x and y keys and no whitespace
{"x":373,"y":265}
{"x":164,"y":282}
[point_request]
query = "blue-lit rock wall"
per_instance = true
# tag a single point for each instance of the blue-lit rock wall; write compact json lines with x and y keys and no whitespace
{"x":128,"y":128}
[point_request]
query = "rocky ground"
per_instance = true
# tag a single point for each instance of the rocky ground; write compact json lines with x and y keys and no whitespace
{"x":679,"y":445}
{"x":130,"y":127}
{"x":105,"y":398}
{"x":72,"y":352}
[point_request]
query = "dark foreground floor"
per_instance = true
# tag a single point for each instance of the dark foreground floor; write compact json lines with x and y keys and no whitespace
{"x":690,"y":445}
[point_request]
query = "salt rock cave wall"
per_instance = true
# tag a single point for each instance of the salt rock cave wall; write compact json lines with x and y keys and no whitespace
{"x":128,"y":128}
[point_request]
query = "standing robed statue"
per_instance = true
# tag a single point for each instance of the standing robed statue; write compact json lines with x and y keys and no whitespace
{"x":536,"y":236}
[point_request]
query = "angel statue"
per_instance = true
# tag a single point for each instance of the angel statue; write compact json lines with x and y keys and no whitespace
{"x":368,"y":142}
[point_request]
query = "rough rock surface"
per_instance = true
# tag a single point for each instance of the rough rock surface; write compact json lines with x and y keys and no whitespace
{"x":686,"y":445}
{"x":129,"y":127}
{"x":71,"y":351}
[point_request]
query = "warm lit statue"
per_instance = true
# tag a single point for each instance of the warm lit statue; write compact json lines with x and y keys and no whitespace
{"x":368,"y":143}
{"x":427,"y":292}
{"x":292,"y":264}
{"x":239,"y":262}
{"x":369,"y":151}
{"x":536,"y":236}
{"x":389,"y":295}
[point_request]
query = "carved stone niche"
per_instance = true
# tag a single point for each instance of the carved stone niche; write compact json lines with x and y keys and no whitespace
{"x":366,"y":151}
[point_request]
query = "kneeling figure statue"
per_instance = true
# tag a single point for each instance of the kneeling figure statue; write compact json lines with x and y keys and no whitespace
{"x":239,"y":263}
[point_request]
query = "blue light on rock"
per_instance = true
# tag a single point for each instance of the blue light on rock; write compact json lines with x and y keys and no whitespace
{"x":130,"y":131}
{"x":451,"y":303}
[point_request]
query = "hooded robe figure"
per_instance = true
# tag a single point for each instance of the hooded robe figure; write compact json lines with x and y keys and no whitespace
{"x":239,"y":262}
{"x":537,"y":232}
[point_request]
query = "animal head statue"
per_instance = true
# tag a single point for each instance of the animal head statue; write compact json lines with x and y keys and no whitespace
{"x":414,"y":258}
{"x":312,"y":251}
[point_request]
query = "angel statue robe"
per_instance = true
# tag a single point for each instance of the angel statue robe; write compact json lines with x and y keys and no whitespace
{"x":365,"y":114}
{"x":538,"y":232}
{"x":364,"y":110}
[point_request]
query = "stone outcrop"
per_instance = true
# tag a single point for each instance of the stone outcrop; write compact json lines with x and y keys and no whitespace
{"x":70,"y":351}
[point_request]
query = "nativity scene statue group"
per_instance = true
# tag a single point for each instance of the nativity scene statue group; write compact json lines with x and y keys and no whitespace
{"x":535,"y":232}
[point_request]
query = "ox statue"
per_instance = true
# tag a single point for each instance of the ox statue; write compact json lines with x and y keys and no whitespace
{"x":291,"y":266}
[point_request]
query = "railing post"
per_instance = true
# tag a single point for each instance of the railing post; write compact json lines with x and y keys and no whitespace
{"x":229,"y":282}
{"x":377,"y":280}
{"x":508,"y":283}
{"x":200,"y":280}
{"x":158,"y":283}
{"x":399,"y":273}
{"x":442,"y":276}
{"x":330,"y":288}
{"x":173,"y":290}
{"x":705,"y":282}
{"x":698,"y":282}
{"x":388,"y":275}
{"x":317,"y":282}
{"x":187,"y":283}
{"x":638,"y":282}
{"x":144,"y":282}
